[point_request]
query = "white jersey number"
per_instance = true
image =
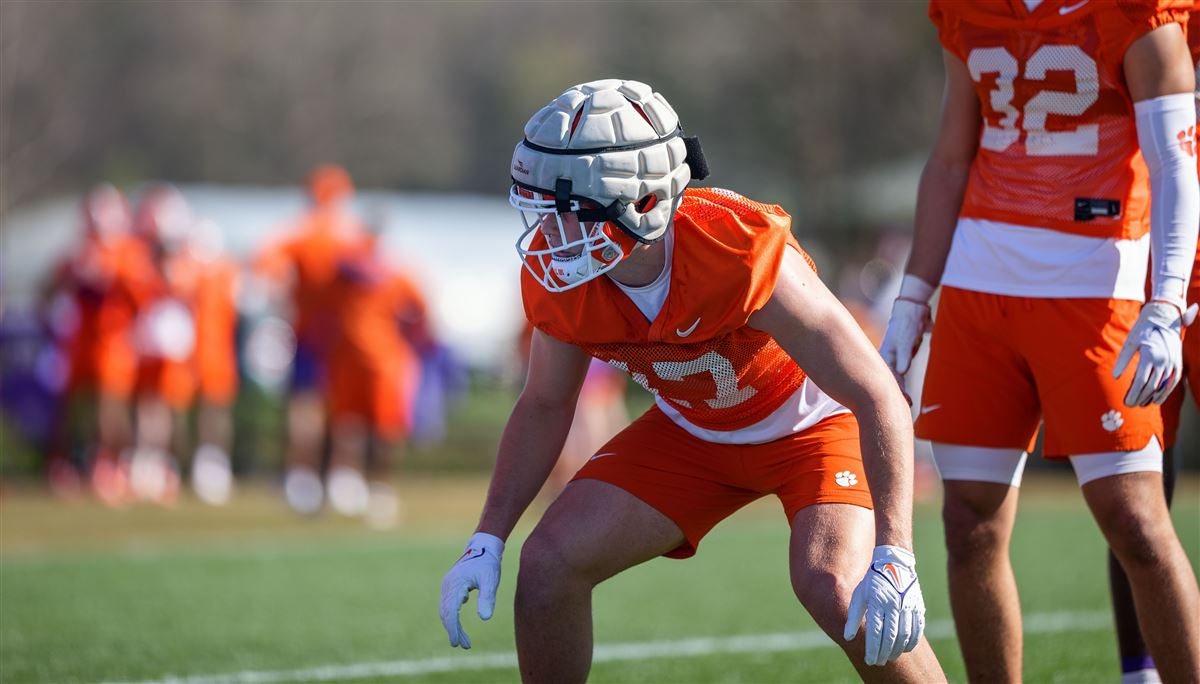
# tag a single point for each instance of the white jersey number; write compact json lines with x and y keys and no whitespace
{"x":723,"y":375}
{"x":1082,"y":141}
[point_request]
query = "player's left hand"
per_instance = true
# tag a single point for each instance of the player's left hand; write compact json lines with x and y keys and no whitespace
{"x":1158,"y":341}
{"x":890,"y":600}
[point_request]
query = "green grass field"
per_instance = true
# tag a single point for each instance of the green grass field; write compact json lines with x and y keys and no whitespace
{"x":251,"y":594}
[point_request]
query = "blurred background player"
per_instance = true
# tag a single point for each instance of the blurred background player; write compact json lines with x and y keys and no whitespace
{"x":374,"y":371}
{"x":1034,"y":213}
{"x":215,"y":363}
{"x":1136,"y":663}
{"x":166,"y":340}
{"x":98,"y":286}
{"x":302,"y":269}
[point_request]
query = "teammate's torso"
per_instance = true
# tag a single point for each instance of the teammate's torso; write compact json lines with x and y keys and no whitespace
{"x":1058,"y":147}
{"x":698,"y":355}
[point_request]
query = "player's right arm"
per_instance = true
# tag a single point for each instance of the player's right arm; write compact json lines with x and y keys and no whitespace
{"x":939,"y":199}
{"x":532,"y":441}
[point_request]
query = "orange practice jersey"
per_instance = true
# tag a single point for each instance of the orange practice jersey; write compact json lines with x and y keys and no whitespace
{"x":699,"y":355}
{"x":311,"y":257}
{"x":377,"y":305}
{"x":1058,"y":147}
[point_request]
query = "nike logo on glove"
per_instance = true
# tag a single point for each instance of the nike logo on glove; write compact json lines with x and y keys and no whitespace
{"x":467,"y":555}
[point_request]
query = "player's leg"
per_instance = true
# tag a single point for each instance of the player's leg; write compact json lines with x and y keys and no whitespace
{"x":652,"y":490}
{"x":1131,"y":510}
{"x":980,"y":409}
{"x":830,"y":548}
{"x":591,"y":532}
{"x":306,"y":425}
{"x":979,"y":510}
{"x":1137,"y":667}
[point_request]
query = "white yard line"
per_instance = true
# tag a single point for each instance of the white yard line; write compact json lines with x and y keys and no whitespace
{"x":1037,"y":623}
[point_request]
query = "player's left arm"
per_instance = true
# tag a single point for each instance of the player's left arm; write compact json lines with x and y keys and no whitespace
{"x":1161,"y":82}
{"x":813,"y":327}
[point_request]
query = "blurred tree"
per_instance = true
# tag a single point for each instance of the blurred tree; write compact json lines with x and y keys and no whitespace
{"x":792,"y":100}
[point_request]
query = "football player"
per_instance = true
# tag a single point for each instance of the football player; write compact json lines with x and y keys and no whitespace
{"x":763,"y":384}
{"x":1136,"y":664}
{"x":1060,"y":120}
{"x":304,"y":265}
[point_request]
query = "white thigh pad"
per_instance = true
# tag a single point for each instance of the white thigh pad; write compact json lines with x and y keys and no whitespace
{"x":979,"y":464}
{"x":1148,"y":459}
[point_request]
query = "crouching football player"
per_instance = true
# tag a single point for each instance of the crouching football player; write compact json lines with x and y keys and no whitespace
{"x":763,"y":384}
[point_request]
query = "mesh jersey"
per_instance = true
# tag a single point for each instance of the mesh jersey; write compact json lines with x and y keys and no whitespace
{"x":699,"y":355}
{"x":1058,"y":147}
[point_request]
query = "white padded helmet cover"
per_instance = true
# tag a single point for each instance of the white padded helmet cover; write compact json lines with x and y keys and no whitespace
{"x":608,"y":118}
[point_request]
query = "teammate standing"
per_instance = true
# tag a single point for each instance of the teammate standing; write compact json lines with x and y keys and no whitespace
{"x":1061,"y":120}
{"x":305,"y":265}
{"x":706,"y":300}
{"x":1136,"y":664}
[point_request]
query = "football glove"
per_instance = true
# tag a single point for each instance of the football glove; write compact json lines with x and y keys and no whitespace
{"x":1157,"y":339}
{"x":889,"y":598}
{"x":909,"y":322}
{"x":478,"y":568}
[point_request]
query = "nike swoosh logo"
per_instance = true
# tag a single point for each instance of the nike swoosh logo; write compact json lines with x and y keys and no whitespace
{"x":685,"y":333}
{"x":607,"y":453}
{"x":467,"y":555}
{"x":1071,"y":8}
{"x":928,"y":409}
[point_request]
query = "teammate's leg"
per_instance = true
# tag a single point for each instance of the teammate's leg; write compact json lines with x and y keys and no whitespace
{"x":591,"y":532}
{"x":1131,"y":511}
{"x":830,"y":548}
{"x":1137,"y":667}
{"x":981,"y":490}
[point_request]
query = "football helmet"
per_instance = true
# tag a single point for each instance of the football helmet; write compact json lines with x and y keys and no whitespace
{"x":328,"y":183}
{"x":601,"y":169}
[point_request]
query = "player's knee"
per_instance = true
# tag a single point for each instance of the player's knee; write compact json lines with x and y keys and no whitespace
{"x":545,"y":572}
{"x":1137,"y":540}
{"x":973,"y":531}
{"x":826,"y":596}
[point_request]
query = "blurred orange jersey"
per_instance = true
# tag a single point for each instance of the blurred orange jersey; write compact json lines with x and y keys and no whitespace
{"x":216,"y":324}
{"x":310,"y":257}
{"x":698,"y":355}
{"x":1058,"y":147}
{"x":166,"y":331}
{"x":373,"y":369}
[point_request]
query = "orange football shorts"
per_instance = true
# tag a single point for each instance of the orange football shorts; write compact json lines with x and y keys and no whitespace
{"x":375,"y":396}
{"x":1191,"y":376}
{"x":697,"y":484}
{"x":999,"y":365}
{"x":172,"y":381}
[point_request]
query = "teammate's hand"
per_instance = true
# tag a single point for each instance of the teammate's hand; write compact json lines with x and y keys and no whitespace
{"x":478,"y":568}
{"x":909,"y":322}
{"x":889,"y":597}
{"x":1157,"y":339}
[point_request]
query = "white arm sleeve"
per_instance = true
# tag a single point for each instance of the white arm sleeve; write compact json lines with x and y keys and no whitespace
{"x":1166,"y":133}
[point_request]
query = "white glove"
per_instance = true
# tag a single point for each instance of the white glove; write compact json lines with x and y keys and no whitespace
{"x":909,"y":322}
{"x":890,"y":599}
{"x":1157,"y":339}
{"x":478,"y":568}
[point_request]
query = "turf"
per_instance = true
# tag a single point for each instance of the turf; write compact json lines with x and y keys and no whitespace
{"x":90,"y":594}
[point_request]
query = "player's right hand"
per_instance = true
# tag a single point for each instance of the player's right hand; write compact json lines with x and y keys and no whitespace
{"x":478,"y":568}
{"x":909,"y":322}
